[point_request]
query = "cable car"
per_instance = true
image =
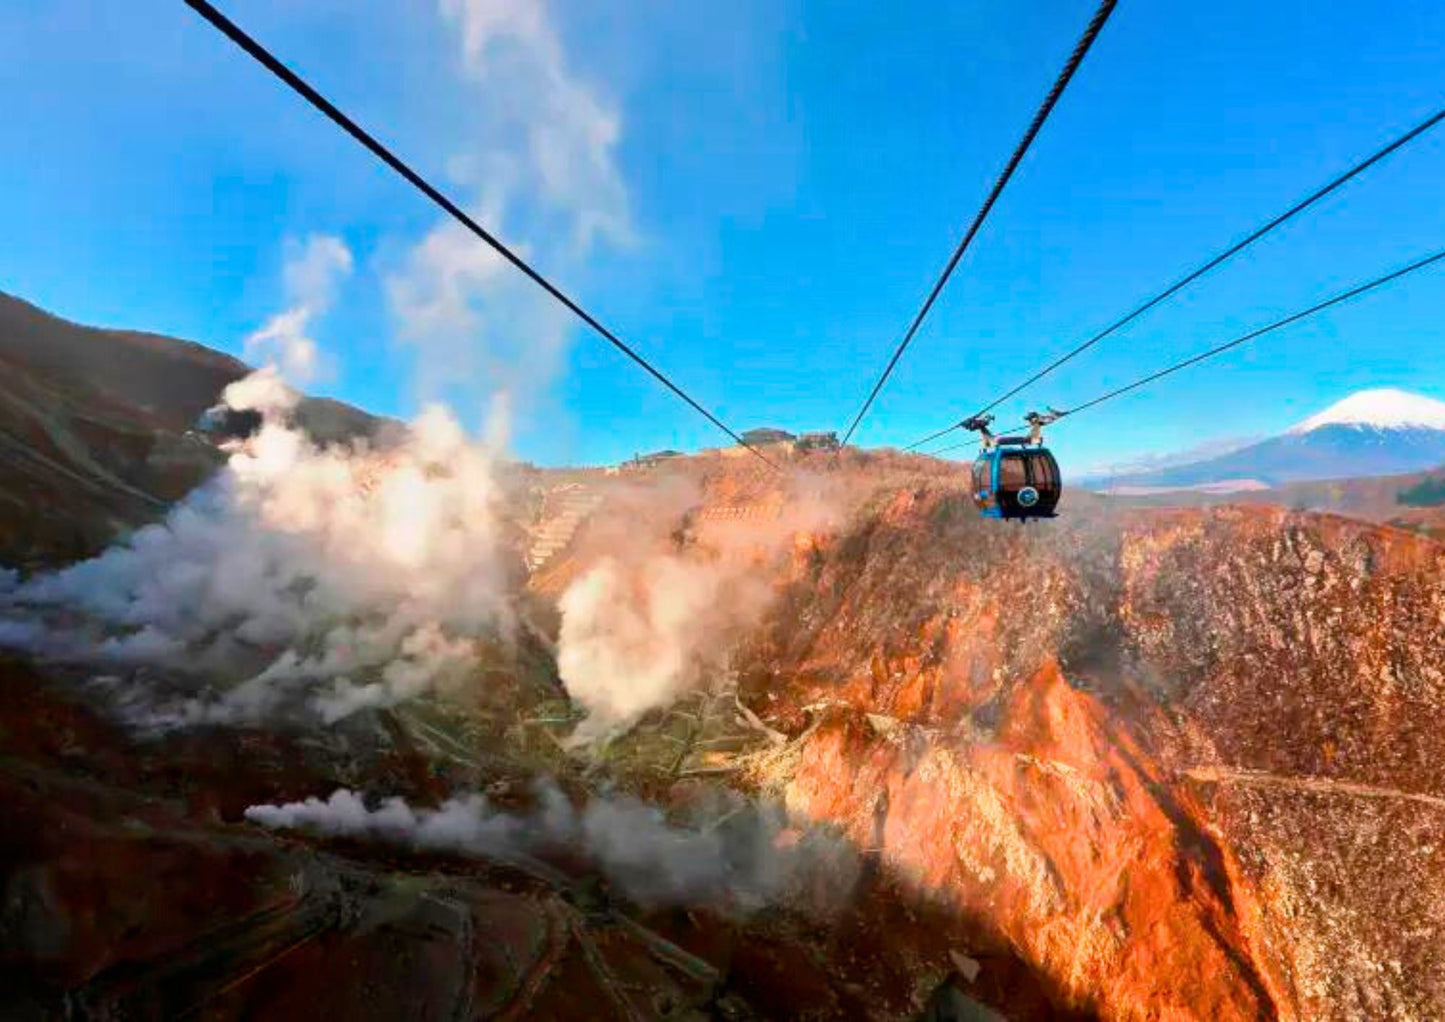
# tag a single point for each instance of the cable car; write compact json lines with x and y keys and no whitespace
{"x":1015,"y":476}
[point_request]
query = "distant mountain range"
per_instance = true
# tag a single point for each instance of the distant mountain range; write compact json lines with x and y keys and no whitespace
{"x":1370,"y":433}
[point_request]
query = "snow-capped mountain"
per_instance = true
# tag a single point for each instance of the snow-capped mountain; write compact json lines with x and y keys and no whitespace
{"x":1369,"y":433}
{"x":1383,"y":408}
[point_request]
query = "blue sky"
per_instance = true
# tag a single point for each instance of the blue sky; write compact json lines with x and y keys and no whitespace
{"x":757,"y":194}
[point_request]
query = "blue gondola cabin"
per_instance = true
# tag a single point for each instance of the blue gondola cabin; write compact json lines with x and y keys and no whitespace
{"x":1015,"y":476}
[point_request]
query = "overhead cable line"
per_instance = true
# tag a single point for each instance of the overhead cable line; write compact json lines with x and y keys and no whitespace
{"x":267,"y":60}
{"x":953,"y":447}
{"x":1343,"y":296}
{"x":1219,"y":349}
{"x":1076,"y":58}
{"x":1191,"y":277}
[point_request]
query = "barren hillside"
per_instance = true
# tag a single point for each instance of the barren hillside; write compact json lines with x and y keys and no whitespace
{"x":97,"y":430}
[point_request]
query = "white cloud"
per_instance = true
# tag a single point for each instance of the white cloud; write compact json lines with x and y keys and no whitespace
{"x":314,"y":270}
{"x":475,"y":322}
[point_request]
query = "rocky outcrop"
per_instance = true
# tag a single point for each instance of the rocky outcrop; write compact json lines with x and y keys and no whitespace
{"x":1306,"y":656}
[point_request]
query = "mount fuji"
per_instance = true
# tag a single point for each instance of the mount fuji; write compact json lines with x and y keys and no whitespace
{"x":1369,"y":433}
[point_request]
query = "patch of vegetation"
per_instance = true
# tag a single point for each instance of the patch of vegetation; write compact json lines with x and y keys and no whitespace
{"x":1428,"y":492}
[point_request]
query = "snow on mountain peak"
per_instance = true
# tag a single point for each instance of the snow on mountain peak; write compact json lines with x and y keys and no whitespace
{"x":1383,"y":408}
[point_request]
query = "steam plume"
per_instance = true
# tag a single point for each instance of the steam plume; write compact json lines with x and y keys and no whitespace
{"x":647,"y":624}
{"x":740,"y":862}
{"x":337,"y":578}
{"x":314,"y":270}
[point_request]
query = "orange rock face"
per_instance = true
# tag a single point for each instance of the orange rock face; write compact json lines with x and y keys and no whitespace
{"x":1055,"y":836}
{"x":1158,"y":757}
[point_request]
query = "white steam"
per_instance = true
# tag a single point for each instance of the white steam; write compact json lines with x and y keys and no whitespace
{"x":647,"y":624}
{"x":334,"y":578}
{"x":740,"y":861}
{"x":312,"y":273}
{"x":263,"y":391}
{"x":636,"y":636}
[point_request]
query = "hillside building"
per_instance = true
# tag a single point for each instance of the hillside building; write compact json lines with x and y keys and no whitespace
{"x":818,"y":441}
{"x":766,"y":435}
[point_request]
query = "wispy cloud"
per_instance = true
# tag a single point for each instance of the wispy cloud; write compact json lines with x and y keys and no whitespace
{"x":543,"y":162}
{"x":311,"y":276}
{"x":511,"y":49}
{"x":1155,"y":461}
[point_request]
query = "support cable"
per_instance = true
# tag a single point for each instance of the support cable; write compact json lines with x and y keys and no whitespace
{"x":1076,"y":58}
{"x":1189,"y":278}
{"x":271,"y":63}
{"x":1219,"y":349}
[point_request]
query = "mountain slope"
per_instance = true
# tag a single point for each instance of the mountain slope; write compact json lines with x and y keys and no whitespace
{"x":95,"y":430}
{"x":1182,"y":764}
{"x":1370,"y":433}
{"x":1191,"y":768}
